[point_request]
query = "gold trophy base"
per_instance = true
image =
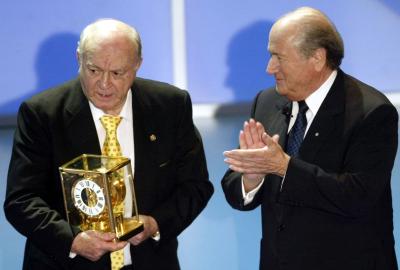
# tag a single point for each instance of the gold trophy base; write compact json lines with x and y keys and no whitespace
{"x":129,"y":228}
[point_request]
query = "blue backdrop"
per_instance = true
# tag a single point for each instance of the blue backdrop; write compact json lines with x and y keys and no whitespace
{"x":226,"y":43}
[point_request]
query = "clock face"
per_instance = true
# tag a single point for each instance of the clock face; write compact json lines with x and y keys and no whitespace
{"x":88,"y":197}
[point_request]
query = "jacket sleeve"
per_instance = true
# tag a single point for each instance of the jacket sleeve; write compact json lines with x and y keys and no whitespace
{"x":192,"y":188}
{"x":31,"y":187}
{"x":232,"y":182}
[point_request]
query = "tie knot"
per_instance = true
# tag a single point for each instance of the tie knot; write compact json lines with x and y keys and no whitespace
{"x":110,"y":122}
{"x":302,"y":107}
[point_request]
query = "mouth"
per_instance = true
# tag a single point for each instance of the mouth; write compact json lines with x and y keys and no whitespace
{"x":279,"y":81}
{"x":104,"y":95}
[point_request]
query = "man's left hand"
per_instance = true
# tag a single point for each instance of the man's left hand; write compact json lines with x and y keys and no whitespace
{"x":150,"y":228}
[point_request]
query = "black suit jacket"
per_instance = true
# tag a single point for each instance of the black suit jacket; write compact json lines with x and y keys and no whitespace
{"x":171,"y":178}
{"x":334,"y":210}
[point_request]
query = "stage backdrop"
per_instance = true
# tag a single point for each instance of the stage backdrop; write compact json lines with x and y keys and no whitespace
{"x":224,"y":43}
{"x":215,"y":49}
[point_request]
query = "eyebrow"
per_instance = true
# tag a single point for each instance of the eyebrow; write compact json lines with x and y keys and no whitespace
{"x":91,"y":65}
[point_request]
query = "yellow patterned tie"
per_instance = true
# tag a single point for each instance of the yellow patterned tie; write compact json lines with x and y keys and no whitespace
{"x":111,"y":145}
{"x":112,"y":148}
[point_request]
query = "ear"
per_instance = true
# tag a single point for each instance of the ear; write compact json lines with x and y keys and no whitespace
{"x":319,"y":59}
{"x":78,"y":58}
{"x":138,"y":64}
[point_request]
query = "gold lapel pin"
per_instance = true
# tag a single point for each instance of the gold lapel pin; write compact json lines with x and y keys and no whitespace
{"x":153,"y":137}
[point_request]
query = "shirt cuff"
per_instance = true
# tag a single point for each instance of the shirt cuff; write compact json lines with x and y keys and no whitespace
{"x":249,"y":196}
{"x":283,"y":180}
{"x":157,"y":236}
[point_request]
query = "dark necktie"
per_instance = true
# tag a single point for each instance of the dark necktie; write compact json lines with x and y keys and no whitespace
{"x":296,"y":134}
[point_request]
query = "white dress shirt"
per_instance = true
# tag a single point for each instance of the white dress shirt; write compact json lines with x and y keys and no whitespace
{"x":314,"y":102}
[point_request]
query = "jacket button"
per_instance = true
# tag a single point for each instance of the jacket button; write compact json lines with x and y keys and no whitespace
{"x":281,"y":227}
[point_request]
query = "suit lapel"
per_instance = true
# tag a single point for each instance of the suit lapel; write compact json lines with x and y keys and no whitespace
{"x":146,"y":138}
{"x":80,"y":129}
{"x":325,"y":121}
{"x":276,"y":118}
{"x":281,"y":122}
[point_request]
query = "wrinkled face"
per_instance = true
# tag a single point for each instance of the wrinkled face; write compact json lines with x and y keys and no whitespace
{"x":294,"y":74}
{"x":107,"y":71}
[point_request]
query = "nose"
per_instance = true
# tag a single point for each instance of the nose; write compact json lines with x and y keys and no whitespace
{"x":105,"y":80}
{"x":273,"y":65}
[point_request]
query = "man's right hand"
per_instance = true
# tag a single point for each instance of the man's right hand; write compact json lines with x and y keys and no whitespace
{"x":93,"y":245}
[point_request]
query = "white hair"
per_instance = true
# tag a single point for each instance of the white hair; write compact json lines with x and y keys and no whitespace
{"x":102,"y":28}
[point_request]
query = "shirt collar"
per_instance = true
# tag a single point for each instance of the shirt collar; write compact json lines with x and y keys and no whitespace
{"x":315,"y":100}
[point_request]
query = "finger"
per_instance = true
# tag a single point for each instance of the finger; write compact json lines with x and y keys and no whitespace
{"x":271,"y":141}
{"x":137,"y":239}
{"x":237,"y":164}
{"x":267,"y":139}
{"x":230,"y":154}
{"x":227,"y":153}
{"x":247,"y":170}
{"x":233,"y":157}
{"x":143,"y":219}
{"x":260,"y":130}
{"x":242,"y":153}
{"x":248,"y":159}
{"x":242,"y":140}
{"x":120,"y":244}
{"x":227,"y":161}
{"x":256,"y":138}
{"x":275,"y":138}
{"x":106,"y":236}
{"x":236,"y":169}
{"x":91,"y":234}
{"x":247,"y":134}
{"x":113,"y":246}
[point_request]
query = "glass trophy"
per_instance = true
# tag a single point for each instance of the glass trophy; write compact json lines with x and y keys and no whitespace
{"x":95,"y":189}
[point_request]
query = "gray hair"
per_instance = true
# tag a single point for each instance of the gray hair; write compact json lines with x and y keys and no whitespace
{"x":102,"y":27}
{"x":315,"y":31}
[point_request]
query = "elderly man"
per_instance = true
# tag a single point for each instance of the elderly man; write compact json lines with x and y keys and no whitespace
{"x":154,"y":129}
{"x":317,"y":155}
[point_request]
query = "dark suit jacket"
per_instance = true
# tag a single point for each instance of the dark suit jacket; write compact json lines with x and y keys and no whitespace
{"x":335,"y":207}
{"x":171,"y":177}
